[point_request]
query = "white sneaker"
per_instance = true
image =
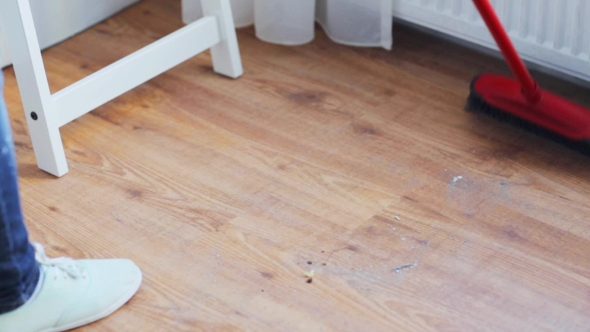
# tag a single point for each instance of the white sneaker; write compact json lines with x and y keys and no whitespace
{"x":73,"y":293}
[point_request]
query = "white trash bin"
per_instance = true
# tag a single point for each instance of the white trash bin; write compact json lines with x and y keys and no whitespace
{"x":243,"y":12}
{"x":285,"y":22}
{"x":357,"y":22}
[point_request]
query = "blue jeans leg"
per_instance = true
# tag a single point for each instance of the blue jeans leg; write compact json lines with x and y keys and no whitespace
{"x":19,"y":273}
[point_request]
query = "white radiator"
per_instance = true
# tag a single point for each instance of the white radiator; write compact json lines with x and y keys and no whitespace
{"x":551,"y":33}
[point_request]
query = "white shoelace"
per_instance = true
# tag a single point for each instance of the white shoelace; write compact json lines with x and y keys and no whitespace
{"x":63,"y":265}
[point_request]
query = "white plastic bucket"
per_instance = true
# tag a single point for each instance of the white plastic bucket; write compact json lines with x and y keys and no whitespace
{"x":285,"y":22}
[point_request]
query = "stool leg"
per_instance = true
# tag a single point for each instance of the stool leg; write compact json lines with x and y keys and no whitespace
{"x":226,"y":54}
{"x":17,"y":22}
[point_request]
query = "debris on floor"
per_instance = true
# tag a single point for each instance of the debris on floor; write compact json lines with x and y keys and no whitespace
{"x":398,"y":269}
{"x":457,"y":178}
{"x":309,"y":275}
{"x":397,"y":218}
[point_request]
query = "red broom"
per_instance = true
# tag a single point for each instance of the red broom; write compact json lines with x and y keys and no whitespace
{"x":522,"y":102}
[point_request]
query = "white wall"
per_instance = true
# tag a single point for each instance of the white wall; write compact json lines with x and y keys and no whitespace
{"x":56,"y":20}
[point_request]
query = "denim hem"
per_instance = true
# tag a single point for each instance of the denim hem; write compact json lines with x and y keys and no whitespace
{"x":28,"y":291}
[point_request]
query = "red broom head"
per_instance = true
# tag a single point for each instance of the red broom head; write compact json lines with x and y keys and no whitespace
{"x":551,"y":116}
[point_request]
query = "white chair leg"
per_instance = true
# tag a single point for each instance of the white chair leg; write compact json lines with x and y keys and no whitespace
{"x":226,"y":54}
{"x":41,"y":107}
{"x":17,"y":22}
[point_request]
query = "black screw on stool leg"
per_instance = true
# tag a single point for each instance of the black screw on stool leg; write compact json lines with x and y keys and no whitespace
{"x":34,"y":116}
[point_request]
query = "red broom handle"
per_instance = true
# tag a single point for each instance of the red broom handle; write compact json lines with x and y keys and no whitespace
{"x":530,"y":88}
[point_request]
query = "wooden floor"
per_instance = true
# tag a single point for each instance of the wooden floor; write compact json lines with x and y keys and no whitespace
{"x":340,"y":160}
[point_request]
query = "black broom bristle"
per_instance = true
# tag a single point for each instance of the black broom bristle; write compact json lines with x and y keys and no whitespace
{"x":476,"y":104}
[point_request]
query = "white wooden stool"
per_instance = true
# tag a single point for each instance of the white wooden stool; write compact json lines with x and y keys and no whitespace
{"x":46,"y":113}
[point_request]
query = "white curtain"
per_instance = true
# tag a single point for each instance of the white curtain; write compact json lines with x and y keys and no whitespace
{"x":291,"y":22}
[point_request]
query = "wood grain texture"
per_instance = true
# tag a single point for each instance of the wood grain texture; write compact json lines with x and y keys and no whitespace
{"x":225,"y":192}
